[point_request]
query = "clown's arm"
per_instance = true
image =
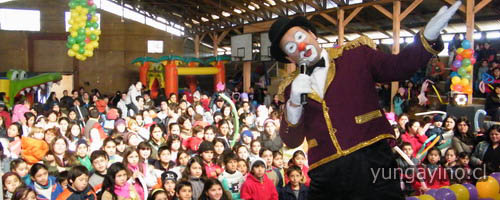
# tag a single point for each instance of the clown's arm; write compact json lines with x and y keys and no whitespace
{"x":293,"y":111}
{"x":387,"y":68}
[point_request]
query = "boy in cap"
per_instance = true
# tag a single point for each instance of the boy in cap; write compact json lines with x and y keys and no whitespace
{"x":169,"y":179}
{"x":206,"y":152}
{"x":257,"y":185}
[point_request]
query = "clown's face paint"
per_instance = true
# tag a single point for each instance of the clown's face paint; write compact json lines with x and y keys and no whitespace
{"x":299,"y":44}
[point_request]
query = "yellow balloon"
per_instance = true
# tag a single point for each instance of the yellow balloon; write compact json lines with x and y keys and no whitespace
{"x":91,"y":54}
{"x":497,"y":197}
{"x":78,"y":56}
{"x":82,"y":18}
{"x":83,"y":58}
{"x":488,"y":187}
{"x":75,"y":47}
{"x":468,"y":68}
{"x":84,"y":11}
{"x":78,"y":9}
{"x":460,"y":50}
{"x":97,"y":32}
{"x":71,"y":53}
{"x":89,"y":47}
{"x":74,"y":34}
{"x":461,"y":192}
{"x":95,"y":18}
{"x":88,"y":31}
{"x":81,"y":24}
{"x":464,"y":82}
{"x":426,"y":197}
{"x":74,"y":13}
{"x":455,"y":80}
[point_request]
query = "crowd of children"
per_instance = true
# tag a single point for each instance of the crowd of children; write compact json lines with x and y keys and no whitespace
{"x":129,"y":146}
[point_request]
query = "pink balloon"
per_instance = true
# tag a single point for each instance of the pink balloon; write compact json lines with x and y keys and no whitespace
{"x":90,"y":2}
{"x":459,"y":57}
{"x":473,"y":60}
{"x":87,"y":40}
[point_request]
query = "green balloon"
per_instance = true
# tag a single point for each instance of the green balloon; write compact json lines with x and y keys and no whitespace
{"x":93,"y":8}
{"x":92,"y":12}
{"x":82,"y":43}
{"x":462,"y":71}
{"x":72,"y":4}
{"x":69,"y":45}
{"x":81,"y":50}
{"x":83,"y":3}
{"x":88,"y":24}
{"x":95,"y":25}
{"x":465,"y":62}
{"x":80,"y":38}
{"x":81,"y":31}
{"x":467,"y":76}
{"x":71,"y":40}
{"x":93,"y":37}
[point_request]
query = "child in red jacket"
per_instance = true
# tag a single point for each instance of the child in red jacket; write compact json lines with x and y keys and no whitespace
{"x":258,"y":186}
{"x":433,"y":173}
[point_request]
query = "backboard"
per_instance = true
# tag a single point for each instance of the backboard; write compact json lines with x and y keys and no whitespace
{"x":241,"y":47}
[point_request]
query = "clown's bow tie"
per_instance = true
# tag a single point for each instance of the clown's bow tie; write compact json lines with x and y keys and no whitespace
{"x":320,"y":63}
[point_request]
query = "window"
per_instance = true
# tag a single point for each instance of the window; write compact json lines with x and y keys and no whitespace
{"x":19,"y":20}
{"x":155,"y":24}
{"x":67,"y":16}
{"x":155,"y":46}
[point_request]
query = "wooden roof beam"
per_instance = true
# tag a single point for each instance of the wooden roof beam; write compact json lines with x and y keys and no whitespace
{"x":241,"y":6}
{"x":410,"y":8}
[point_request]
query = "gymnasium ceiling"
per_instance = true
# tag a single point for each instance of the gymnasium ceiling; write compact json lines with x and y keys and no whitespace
{"x":203,"y":17}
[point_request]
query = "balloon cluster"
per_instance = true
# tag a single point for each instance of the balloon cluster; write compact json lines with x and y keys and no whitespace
{"x":462,"y":68}
{"x":487,"y":188}
{"x":84,"y":30}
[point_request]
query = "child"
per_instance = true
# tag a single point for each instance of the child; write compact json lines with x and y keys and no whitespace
{"x":120,"y":146}
{"x":257,"y":186}
{"x":11,"y":181}
{"x":99,"y":161}
{"x":299,"y":159}
{"x":45,"y":186}
{"x":14,"y":134}
{"x":195,"y":174}
{"x":158,"y":194}
{"x":213,"y":191}
{"x":246,"y":138}
{"x":73,"y":135}
{"x":231,"y":178}
{"x":193,"y":143}
{"x":242,"y":152}
{"x":243,"y":167}
{"x":272,"y":174}
{"x":182,"y":161}
{"x":116,"y":184}
{"x":138,"y":171}
{"x":209,"y":134}
{"x":414,"y":136}
{"x":62,"y":179}
{"x":164,"y":162}
{"x":24,"y":193}
{"x":450,"y":157}
{"x":82,"y":154}
{"x":255,"y":147}
{"x":169,"y":180}
{"x":294,"y":190}
{"x":436,"y":128}
{"x":278,"y":165}
{"x":20,"y":167}
{"x":110,"y":147}
{"x":206,"y":151}
{"x":408,"y":150}
{"x":174,"y":145}
{"x":34,"y":147}
{"x":78,"y":187}
{"x":219,"y":148}
{"x":183,"y":191}
{"x":462,"y":172}
{"x":434,"y":175}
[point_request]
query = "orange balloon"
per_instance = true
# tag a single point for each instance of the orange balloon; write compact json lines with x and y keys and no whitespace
{"x":467,"y":53}
{"x":488,"y":187}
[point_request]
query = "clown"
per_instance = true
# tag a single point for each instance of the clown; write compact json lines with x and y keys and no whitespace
{"x":343,"y":124}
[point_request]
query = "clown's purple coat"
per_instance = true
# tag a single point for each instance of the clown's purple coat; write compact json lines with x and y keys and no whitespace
{"x":349,"y":117}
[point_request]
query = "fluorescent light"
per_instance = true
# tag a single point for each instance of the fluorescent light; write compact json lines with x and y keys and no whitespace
{"x":493,"y":34}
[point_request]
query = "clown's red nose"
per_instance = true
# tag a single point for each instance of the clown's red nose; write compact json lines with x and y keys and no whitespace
{"x":302,"y":46}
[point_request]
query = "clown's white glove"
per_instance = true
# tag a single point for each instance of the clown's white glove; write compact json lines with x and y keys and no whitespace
{"x":439,"y":21}
{"x":300,"y":85}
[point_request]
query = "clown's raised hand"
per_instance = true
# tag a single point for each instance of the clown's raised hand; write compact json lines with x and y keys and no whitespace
{"x":439,"y":21}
